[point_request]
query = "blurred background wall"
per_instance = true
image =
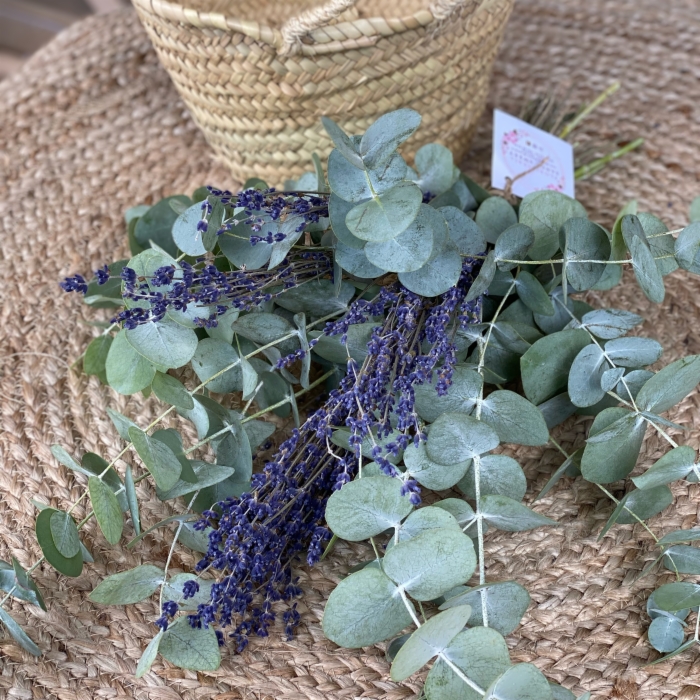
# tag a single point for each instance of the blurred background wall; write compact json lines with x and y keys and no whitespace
{"x":25,"y":25}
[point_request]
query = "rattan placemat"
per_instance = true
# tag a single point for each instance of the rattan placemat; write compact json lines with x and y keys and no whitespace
{"x":92,"y":125}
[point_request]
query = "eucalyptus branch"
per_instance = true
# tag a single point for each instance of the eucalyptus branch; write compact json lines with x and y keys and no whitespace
{"x":476,"y":461}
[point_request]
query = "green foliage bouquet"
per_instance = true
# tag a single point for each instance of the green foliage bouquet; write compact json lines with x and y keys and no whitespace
{"x":434,"y":322}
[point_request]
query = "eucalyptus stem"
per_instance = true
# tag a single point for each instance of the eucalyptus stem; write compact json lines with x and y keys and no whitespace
{"x":476,"y":462}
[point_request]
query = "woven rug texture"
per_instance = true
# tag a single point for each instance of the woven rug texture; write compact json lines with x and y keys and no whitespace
{"x":92,"y":125}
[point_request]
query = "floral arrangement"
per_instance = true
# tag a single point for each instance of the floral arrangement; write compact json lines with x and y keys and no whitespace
{"x":435,"y":322}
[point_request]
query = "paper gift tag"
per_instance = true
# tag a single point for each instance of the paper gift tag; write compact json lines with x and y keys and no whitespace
{"x":543,"y":161}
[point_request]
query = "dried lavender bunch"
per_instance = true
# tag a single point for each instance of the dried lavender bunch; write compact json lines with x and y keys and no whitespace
{"x":257,"y":537}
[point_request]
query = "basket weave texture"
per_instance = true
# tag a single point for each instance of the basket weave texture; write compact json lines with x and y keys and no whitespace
{"x":92,"y":125}
{"x":257,"y":79}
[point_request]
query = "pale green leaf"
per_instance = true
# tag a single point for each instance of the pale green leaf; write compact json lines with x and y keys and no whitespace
{"x":366,"y":507}
{"x":158,"y":458}
{"x":545,"y":366}
{"x":431,"y":563}
{"x":507,"y":514}
{"x":506,"y":603}
{"x":148,"y":656}
{"x":191,"y":648}
{"x":107,"y":511}
{"x":128,"y":587}
{"x":514,"y":418}
{"x":479,"y":653}
{"x":364,"y":609}
{"x":456,"y":437}
{"x":127,"y":371}
{"x":428,"y":641}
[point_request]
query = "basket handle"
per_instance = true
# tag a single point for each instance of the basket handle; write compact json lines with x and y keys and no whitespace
{"x":296,"y":28}
{"x":443,"y":9}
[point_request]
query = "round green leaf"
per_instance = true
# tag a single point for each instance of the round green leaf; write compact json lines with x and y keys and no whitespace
{"x":354,"y":261}
{"x":348,"y":181}
{"x":520,"y":682}
{"x":435,"y":165}
{"x":507,"y":514}
{"x":67,"y":566}
{"x":364,"y":609}
{"x":95,"y":359}
{"x":431,"y":563}
{"x":463,"y":231}
{"x":65,"y":534}
{"x":610,"y":323}
{"x":479,"y":653}
{"x":427,"y":518}
{"x":514,"y":418}
{"x":366,"y":507}
{"x":386,"y":215}
{"x":498,"y":474}
{"x":633,"y":352}
{"x":687,"y":248}
{"x":431,"y":474}
{"x":107,"y":511}
{"x":456,"y":437}
{"x":429,"y":640}
{"x":317,"y":298}
{"x":645,"y":269}
{"x":618,"y":435}
{"x":671,"y":385}
{"x":644,"y":503}
{"x":506,"y":603}
{"x":189,"y":647}
{"x":156,"y":224}
{"x":545,"y":366}
{"x":680,"y":595}
{"x":385,"y":135}
{"x":408,"y":251}
{"x":494,"y":216}
{"x":170,"y":390}
{"x":585,"y":377}
{"x":338,"y":209}
{"x":513,"y":244}
{"x":128,"y":587}
{"x":683,"y":559}
{"x":582,"y":239}
{"x":461,"y":395}
{"x":213,"y":356}
{"x":236,"y":246}
{"x":186,"y":235}
{"x":126,"y":370}
{"x":545,"y":212}
{"x":342,"y":142}
{"x":533,"y":294}
{"x":164,"y":343}
{"x":666,"y":634}
{"x":437,"y":275}
{"x":330,"y":348}
{"x":158,"y":458}
{"x":661,"y":246}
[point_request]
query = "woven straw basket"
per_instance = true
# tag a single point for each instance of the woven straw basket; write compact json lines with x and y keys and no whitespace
{"x":257,"y":75}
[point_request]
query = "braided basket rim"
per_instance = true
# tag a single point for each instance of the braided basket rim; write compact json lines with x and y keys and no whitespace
{"x":367,"y":28}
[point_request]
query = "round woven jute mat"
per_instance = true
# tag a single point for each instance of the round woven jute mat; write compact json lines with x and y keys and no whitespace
{"x":92,"y":125}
